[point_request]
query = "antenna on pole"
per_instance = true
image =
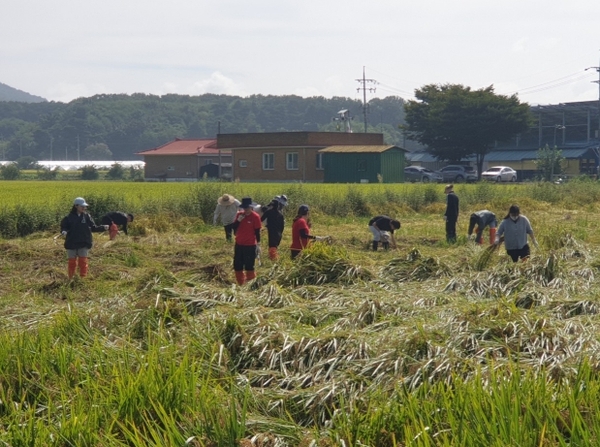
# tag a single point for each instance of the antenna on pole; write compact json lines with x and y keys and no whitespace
{"x":344,"y":116}
{"x":364,"y":89}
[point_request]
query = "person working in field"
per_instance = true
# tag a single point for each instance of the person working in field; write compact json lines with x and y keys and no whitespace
{"x":226,"y":210}
{"x":514,"y":230}
{"x":272,"y":215}
{"x":451,"y":214}
{"x":478,"y":221}
{"x":301,"y":231}
{"x":381,"y":226}
{"x":114,"y":220}
{"x":247,"y":226}
{"x":77,"y":228}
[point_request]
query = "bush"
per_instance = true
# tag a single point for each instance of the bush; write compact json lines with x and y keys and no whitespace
{"x":47,"y":174}
{"x":89,"y":172}
{"x":116,"y":172}
{"x":10,"y":172}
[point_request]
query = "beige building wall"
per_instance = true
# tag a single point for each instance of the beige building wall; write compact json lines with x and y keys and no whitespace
{"x":248,"y":165}
{"x":178,"y":166}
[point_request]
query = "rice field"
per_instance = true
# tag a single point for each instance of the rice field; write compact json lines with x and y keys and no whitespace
{"x":428,"y":345}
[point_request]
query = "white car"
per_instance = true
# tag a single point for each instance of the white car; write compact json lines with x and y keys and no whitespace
{"x":500,"y":174}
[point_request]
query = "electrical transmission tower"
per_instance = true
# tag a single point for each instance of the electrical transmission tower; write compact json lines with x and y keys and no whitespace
{"x":363,"y":86}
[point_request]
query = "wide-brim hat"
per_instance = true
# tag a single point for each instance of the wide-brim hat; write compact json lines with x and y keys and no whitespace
{"x":226,"y":199}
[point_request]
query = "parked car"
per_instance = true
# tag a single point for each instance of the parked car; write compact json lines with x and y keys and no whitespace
{"x":421,"y":174}
{"x":458,"y":174}
{"x":500,"y":174}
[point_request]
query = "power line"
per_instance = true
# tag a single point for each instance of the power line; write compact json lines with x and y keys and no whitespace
{"x":364,"y":89}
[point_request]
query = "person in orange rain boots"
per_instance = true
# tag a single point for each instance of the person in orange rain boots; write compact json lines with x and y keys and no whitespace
{"x":272,"y":215}
{"x":482,"y":219}
{"x":113,"y":220}
{"x":77,"y":228}
{"x":247,"y":226}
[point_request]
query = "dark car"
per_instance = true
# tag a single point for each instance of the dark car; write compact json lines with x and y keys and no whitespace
{"x":458,"y":174}
{"x":421,"y":174}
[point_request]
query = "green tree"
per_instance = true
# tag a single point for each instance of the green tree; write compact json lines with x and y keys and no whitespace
{"x":116,"y":172}
{"x":99,"y":151}
{"x":10,"y":171}
{"x":27,"y":162}
{"x":456,"y":122}
{"x":89,"y":172}
{"x":549,"y":162}
{"x":47,"y":173}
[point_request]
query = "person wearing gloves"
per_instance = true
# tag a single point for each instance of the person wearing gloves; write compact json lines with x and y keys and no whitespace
{"x":482,"y":219}
{"x":301,"y":231}
{"x":514,"y":230}
{"x":380,"y":224}
{"x":247,"y":226}
{"x":113,"y":220}
{"x":226,"y":210}
{"x":77,"y":228}
{"x":451,"y":214}
{"x":272,"y":215}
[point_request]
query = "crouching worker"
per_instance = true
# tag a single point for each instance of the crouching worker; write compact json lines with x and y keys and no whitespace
{"x":247,"y":237}
{"x":514,"y":230}
{"x":114,"y":220}
{"x":380,"y":224}
{"x":272,"y":215}
{"x":478,"y":221}
{"x":77,"y":227}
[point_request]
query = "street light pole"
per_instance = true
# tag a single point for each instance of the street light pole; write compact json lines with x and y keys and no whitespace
{"x":557,"y":126}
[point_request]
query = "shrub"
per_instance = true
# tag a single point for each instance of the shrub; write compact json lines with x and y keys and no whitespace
{"x":116,"y":172}
{"x":47,"y":174}
{"x":10,"y":172}
{"x":89,"y":172}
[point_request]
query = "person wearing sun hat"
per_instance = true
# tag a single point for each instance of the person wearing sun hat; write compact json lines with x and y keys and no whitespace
{"x":226,"y":210}
{"x":272,"y":215}
{"x":77,"y":228}
{"x":247,"y":225}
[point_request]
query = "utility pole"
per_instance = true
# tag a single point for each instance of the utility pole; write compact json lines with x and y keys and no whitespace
{"x":51,"y":140}
{"x":364,"y":89}
{"x":597,"y":82}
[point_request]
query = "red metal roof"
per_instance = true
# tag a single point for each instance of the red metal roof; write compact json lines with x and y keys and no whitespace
{"x":186,"y":147}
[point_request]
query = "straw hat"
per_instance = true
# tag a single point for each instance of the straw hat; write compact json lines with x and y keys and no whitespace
{"x":226,"y":199}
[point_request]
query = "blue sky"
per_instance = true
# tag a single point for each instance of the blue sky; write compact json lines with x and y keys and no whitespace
{"x":64,"y":49}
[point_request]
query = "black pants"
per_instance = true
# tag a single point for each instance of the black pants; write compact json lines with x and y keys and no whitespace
{"x":229,"y":230}
{"x":274,"y":238}
{"x":519,"y":253}
{"x":244,"y":257}
{"x":451,"y":231}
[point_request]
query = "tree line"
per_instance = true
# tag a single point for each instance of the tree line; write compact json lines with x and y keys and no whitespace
{"x":125,"y":124}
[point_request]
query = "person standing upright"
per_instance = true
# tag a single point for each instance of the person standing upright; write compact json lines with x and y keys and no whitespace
{"x":77,"y":228}
{"x":227,"y":208}
{"x":272,"y":215}
{"x":451,"y":214}
{"x":247,"y":226}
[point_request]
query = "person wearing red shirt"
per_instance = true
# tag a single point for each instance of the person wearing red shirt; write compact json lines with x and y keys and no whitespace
{"x":247,"y":226}
{"x":301,"y":231}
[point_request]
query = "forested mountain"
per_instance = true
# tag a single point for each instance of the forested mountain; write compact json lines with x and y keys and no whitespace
{"x":130,"y":123}
{"x":8,"y":93}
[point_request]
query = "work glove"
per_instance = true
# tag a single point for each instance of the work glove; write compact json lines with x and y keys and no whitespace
{"x":258,"y":251}
{"x":240,"y":217}
{"x":63,"y":233}
{"x":105,"y":227}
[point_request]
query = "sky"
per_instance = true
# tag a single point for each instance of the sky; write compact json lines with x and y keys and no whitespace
{"x":65,"y":49}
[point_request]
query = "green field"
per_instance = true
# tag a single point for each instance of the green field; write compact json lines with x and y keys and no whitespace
{"x":428,"y":345}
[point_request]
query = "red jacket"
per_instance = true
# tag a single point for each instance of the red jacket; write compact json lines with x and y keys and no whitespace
{"x":246,"y":230}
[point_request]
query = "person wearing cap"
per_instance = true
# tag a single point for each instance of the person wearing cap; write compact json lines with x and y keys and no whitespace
{"x":514,"y":229}
{"x":113,"y":220}
{"x":482,"y":219}
{"x":451,"y":214}
{"x":226,"y":210}
{"x":301,"y":231}
{"x":380,"y":224}
{"x":77,"y":228}
{"x":247,"y":226}
{"x":272,"y":215}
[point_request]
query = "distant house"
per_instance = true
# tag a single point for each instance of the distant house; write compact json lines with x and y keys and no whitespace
{"x":184,"y":159}
{"x":286,"y":156}
{"x":363,"y":164}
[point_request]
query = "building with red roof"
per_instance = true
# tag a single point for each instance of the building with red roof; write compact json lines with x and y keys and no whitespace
{"x":187,"y":160}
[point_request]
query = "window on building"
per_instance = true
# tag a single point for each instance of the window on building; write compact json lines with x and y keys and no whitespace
{"x":319,"y":162}
{"x":243,"y":163}
{"x":361,"y":165}
{"x":208,"y":161}
{"x":291,"y":161}
{"x":268,"y":161}
{"x":170,"y":168}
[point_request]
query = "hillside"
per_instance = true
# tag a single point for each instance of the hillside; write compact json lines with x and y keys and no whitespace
{"x":8,"y":93}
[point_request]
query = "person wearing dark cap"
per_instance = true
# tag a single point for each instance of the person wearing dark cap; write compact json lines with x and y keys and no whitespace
{"x":113,"y":220}
{"x":226,"y":210}
{"x":301,"y":231}
{"x":272,"y":215}
{"x":451,"y":214}
{"x":514,"y":230}
{"x":478,"y":221}
{"x":247,"y":226}
{"x":380,"y":224}
{"x":77,"y":228}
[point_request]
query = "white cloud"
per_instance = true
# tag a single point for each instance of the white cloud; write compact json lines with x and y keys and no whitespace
{"x":219,"y":84}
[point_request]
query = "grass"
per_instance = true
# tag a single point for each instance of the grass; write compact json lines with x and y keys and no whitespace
{"x":429,"y":345}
